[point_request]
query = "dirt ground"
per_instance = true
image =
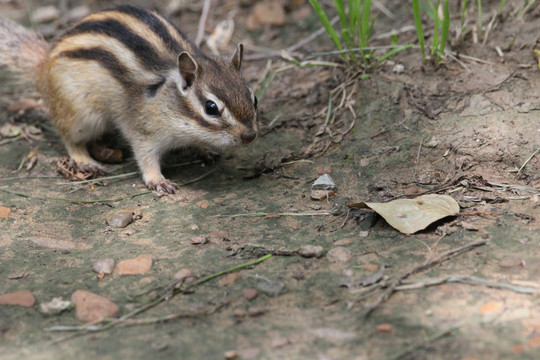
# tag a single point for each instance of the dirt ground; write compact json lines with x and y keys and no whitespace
{"x":462,"y":128}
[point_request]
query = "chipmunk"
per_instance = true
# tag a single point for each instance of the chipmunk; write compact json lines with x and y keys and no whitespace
{"x":133,"y":70}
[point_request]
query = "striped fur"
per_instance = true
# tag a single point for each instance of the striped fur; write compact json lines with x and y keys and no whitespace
{"x":120,"y":68}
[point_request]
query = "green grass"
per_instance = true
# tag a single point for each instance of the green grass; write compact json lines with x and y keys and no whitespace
{"x":353,"y":36}
{"x":356,"y":22}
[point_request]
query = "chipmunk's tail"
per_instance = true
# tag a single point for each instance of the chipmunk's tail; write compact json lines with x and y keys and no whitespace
{"x":21,"y":50}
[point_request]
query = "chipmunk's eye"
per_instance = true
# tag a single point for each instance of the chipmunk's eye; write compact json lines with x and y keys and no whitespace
{"x":255,"y":102}
{"x":211,"y":108}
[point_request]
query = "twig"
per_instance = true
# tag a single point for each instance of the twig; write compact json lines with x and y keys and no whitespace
{"x":75,"y":201}
{"x":202,"y":22}
{"x":392,"y":288}
{"x":426,"y":342}
{"x":473,"y":280}
{"x":293,"y":47}
{"x":261,"y":214}
{"x":81,"y":201}
{"x":173,"y":290}
{"x":527,"y":161}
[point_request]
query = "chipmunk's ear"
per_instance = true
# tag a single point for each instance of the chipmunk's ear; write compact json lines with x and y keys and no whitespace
{"x":187,"y":66}
{"x":236,"y":59}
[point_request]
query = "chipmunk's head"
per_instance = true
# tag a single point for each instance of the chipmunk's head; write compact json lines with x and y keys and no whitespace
{"x":214,"y":95}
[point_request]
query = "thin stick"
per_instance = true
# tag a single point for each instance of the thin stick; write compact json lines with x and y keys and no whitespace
{"x":527,"y":161}
{"x":473,"y":280}
{"x":392,"y":288}
{"x":261,"y":214}
{"x":293,"y":47}
{"x":84,"y":329}
{"x":202,"y":22}
{"x":426,"y":342}
{"x":81,"y":201}
{"x":75,"y":201}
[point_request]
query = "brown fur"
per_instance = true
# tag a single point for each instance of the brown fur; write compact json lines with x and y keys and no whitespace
{"x":118,"y":68}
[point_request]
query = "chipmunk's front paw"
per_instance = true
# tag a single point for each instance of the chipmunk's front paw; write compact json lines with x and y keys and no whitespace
{"x":165,"y":186}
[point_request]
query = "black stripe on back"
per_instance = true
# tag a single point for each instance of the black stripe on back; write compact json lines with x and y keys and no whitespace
{"x":115,"y":29}
{"x":106,"y":60}
{"x":153,"y":23}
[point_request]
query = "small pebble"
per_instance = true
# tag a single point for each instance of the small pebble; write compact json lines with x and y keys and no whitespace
{"x":230,"y":355}
{"x":55,"y":306}
{"x":5,"y":212}
{"x":250,"y":293}
{"x":343,"y":242}
{"x":103,"y":265}
{"x":256,"y":311}
{"x":120,"y":218}
{"x":22,"y":298}
{"x":184,"y":274}
{"x":194,"y":227}
{"x":271,"y":288}
{"x":139,"y":265}
{"x":384,"y":328}
{"x":90,"y":307}
{"x":239,"y":313}
{"x":200,"y":240}
{"x":339,"y":254}
{"x":309,"y":251}
{"x":321,"y":170}
{"x":324,"y":182}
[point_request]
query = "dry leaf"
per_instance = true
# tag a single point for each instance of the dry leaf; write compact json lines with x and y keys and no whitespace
{"x":412,"y":215}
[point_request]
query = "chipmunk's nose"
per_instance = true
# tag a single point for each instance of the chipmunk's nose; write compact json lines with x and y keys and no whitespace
{"x":248,"y":137}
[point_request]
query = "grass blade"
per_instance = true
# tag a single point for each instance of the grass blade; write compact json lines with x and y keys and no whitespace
{"x":326,"y":24}
{"x":418,"y":25}
{"x":393,"y":52}
{"x":366,"y":15}
{"x":445,"y":28}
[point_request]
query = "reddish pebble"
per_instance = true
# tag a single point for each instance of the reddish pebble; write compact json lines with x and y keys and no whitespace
{"x":239,"y":313}
{"x":256,"y":311}
{"x":5,"y":212}
{"x":184,"y":274}
{"x":90,"y":307}
{"x":139,"y":265}
{"x":384,"y":328}
{"x":203,"y":204}
{"x":18,"y":298}
{"x":250,"y":293}
{"x":321,"y":170}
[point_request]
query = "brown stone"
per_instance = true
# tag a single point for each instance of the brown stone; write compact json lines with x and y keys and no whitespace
{"x":139,"y":265}
{"x":250,"y":293}
{"x":5,"y":212}
{"x":18,"y":298}
{"x":90,"y":307}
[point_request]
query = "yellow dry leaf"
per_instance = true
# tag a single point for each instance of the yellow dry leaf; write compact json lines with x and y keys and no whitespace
{"x":412,"y":215}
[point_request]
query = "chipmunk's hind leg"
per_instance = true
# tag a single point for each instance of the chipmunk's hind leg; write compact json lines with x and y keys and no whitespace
{"x":80,"y":160}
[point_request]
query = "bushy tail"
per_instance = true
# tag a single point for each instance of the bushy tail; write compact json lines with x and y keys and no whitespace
{"x":21,"y":50}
